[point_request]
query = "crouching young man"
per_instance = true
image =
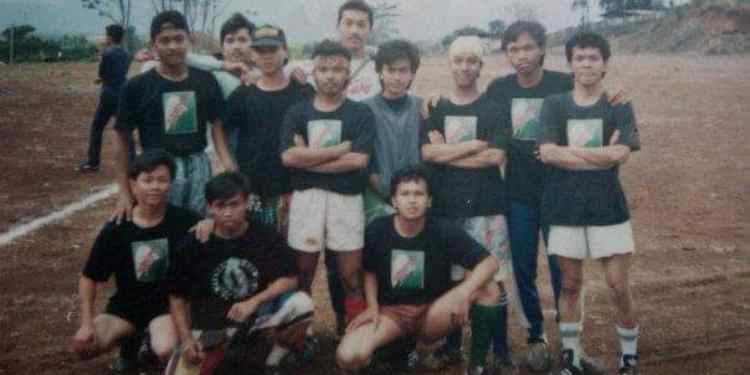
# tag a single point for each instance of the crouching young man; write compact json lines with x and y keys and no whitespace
{"x":136,"y":252}
{"x":407,"y":276}
{"x":244,"y":269}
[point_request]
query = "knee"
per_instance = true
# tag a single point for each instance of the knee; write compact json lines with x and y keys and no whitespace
{"x":349,"y":358}
{"x":163,"y":348}
{"x":619,"y":291}
{"x":571,"y":285}
{"x":489,"y":294}
{"x":301,"y":303}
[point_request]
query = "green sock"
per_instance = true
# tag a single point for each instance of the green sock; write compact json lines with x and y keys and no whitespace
{"x":483,"y":323}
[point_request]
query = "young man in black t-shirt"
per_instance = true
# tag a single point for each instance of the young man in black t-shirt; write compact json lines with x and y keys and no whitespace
{"x":137,"y":254}
{"x":407,"y":277}
{"x":170,"y":106}
{"x":245,"y":268}
{"x":585,"y":139}
{"x":326,"y":144}
{"x":257,"y":113}
{"x":464,"y":142}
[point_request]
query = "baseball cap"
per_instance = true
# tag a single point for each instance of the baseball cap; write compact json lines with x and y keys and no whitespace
{"x":268,"y":36}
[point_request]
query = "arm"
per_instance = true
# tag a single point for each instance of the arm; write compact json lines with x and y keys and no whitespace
{"x":563,"y":157}
{"x":605,"y":157}
{"x":303,"y":157}
{"x":478,"y":277}
{"x":220,"y":145}
{"x":437,"y":151}
{"x":105,"y":69}
{"x":488,"y":158}
{"x":124,"y":207}
{"x":203,"y":62}
{"x":240,"y":311}
{"x":371,"y":314}
{"x":179,"y":310}
{"x":348,"y":162}
{"x":84,"y":341}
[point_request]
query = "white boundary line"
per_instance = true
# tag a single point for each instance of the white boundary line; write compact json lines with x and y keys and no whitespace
{"x":21,"y":230}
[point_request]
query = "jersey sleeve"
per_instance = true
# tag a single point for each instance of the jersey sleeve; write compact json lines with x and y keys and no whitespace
{"x":434,"y":122}
{"x":287,"y":265}
{"x":626,"y":124}
{"x":100,"y":264}
{"x":291,"y":126}
{"x":127,"y":110}
{"x":179,"y":276}
{"x":461,"y":248}
{"x":370,"y":250}
{"x":214,"y":99}
{"x":550,"y":122}
{"x":235,"y":114}
{"x":363,"y":138}
{"x":500,"y":129}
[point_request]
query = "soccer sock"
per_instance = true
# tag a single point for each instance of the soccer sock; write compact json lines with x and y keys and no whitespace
{"x":354,"y":306}
{"x":570,"y":333}
{"x":483,"y":322}
{"x":628,"y":341}
{"x":277,"y":353}
{"x":500,"y":329}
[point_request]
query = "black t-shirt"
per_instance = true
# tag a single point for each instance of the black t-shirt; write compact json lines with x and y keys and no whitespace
{"x":352,"y":121}
{"x":170,"y":115}
{"x":214,"y":275}
{"x":462,"y":192}
{"x":417,"y":270}
{"x":585,"y":197}
{"x":138,"y":257}
{"x":524,"y":173}
{"x":258,"y":115}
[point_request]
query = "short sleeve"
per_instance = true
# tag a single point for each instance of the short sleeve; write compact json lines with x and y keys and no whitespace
{"x":100,"y":264}
{"x":179,"y":275}
{"x":286,"y":261}
{"x":127,"y":111}
{"x":626,"y":124}
{"x":549,"y":122}
{"x":434,"y":122}
{"x":290,"y":126}
{"x":362,"y":141}
{"x":501,"y":130}
{"x":235,"y":113}
{"x":462,"y":249}
{"x":370,"y":251}
{"x":214,"y":99}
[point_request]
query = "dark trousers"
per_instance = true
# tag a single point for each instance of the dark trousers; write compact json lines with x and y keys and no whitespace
{"x":105,"y":110}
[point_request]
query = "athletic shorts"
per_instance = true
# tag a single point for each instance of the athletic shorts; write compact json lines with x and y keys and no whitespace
{"x":191,"y":174}
{"x":271,"y":211}
{"x":492,"y":233}
{"x":139,"y":316}
{"x":409,"y":318}
{"x":320,"y":219}
{"x":581,"y":242}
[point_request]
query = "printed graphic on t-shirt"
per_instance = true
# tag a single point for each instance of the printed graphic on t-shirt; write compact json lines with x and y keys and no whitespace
{"x":235,"y":279}
{"x":525,"y":117}
{"x":407,"y":269}
{"x":151,"y":259}
{"x":323,"y":133}
{"x":180,"y":115}
{"x":585,"y":133}
{"x":460,"y":129}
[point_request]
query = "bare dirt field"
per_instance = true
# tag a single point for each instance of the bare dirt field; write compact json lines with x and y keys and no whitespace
{"x":689,"y":191}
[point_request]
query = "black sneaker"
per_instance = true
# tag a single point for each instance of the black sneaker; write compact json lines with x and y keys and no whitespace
{"x":538,"y":356}
{"x":566,"y":364}
{"x":87,"y":167}
{"x":629,"y":365}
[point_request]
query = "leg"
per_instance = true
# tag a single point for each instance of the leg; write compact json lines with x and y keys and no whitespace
{"x":307,"y":264}
{"x":108,"y":329}
{"x":438,"y":321}
{"x":336,"y":291}
{"x":357,"y":347}
{"x":350,"y":270}
{"x":555,"y":277}
{"x":523,"y":229}
{"x":163,"y":337}
{"x":571,"y":324}
{"x":616,"y":271}
{"x":106,"y":108}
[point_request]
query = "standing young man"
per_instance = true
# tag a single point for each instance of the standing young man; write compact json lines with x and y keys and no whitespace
{"x":585,"y":139}
{"x":407,"y":279}
{"x":521,"y":95}
{"x":326,"y":142}
{"x":113,"y":71}
{"x":245,"y":268}
{"x":465,"y":141}
{"x":170,"y":106}
{"x":136,"y":253}
{"x":256,"y":113}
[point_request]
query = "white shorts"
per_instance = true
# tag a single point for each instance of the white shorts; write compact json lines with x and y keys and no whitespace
{"x":320,"y":219}
{"x":492,"y":233}
{"x":581,"y":242}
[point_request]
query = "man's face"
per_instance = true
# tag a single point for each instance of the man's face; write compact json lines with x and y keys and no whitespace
{"x":354,"y":29}
{"x":465,"y":68}
{"x":397,"y":77}
{"x":411,"y":200}
{"x":152,"y":188}
{"x":171,"y":46}
{"x":587,"y":65}
{"x":331,"y":74}
{"x":525,"y":55}
{"x":228,"y":213}
{"x":269,"y":59}
{"x":236,"y":46}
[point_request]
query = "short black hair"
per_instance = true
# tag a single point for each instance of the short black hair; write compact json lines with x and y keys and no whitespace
{"x":588,"y":39}
{"x":397,"y":49}
{"x":412,"y":173}
{"x":329,"y":48}
{"x":357,"y":5}
{"x":226,"y":185}
{"x":535,"y":30}
{"x":115,"y":32}
{"x":236,"y":22}
{"x":148,"y":161}
{"x":172,"y":17}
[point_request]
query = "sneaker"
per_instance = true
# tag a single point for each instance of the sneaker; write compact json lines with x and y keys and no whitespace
{"x":504,"y":366}
{"x":538,"y":356}
{"x":87,"y":167}
{"x":477,"y":370}
{"x":440,"y":359}
{"x":630,"y":365}
{"x":591,"y":366}
{"x":566,"y":364}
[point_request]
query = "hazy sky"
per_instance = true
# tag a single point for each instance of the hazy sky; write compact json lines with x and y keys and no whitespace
{"x":304,"y":20}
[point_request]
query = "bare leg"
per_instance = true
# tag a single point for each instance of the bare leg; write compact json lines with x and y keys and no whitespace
{"x":572,"y":281}
{"x":616,"y":271}
{"x":307,"y":263}
{"x":357,"y":347}
{"x":439,"y":321}
{"x":107,"y":330}
{"x":350,"y":271}
{"x":163,"y":337}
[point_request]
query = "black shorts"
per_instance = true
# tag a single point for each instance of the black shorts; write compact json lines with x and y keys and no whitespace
{"x":138,"y":315}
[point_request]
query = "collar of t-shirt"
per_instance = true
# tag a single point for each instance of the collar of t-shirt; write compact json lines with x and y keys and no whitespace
{"x":397,"y":104}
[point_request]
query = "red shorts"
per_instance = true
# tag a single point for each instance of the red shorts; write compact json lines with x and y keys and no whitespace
{"x":409,"y":318}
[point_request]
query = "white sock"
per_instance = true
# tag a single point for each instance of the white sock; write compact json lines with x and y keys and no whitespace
{"x":277,"y":353}
{"x":628,"y":340}
{"x":570,"y":333}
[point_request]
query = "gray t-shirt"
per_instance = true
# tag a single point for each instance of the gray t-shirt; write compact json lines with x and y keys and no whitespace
{"x":581,"y":198}
{"x":397,"y":138}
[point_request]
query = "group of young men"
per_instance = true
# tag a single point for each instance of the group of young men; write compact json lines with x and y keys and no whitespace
{"x":427,"y":220}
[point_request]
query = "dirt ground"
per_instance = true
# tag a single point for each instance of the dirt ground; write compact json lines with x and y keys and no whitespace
{"x":688,"y":190}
